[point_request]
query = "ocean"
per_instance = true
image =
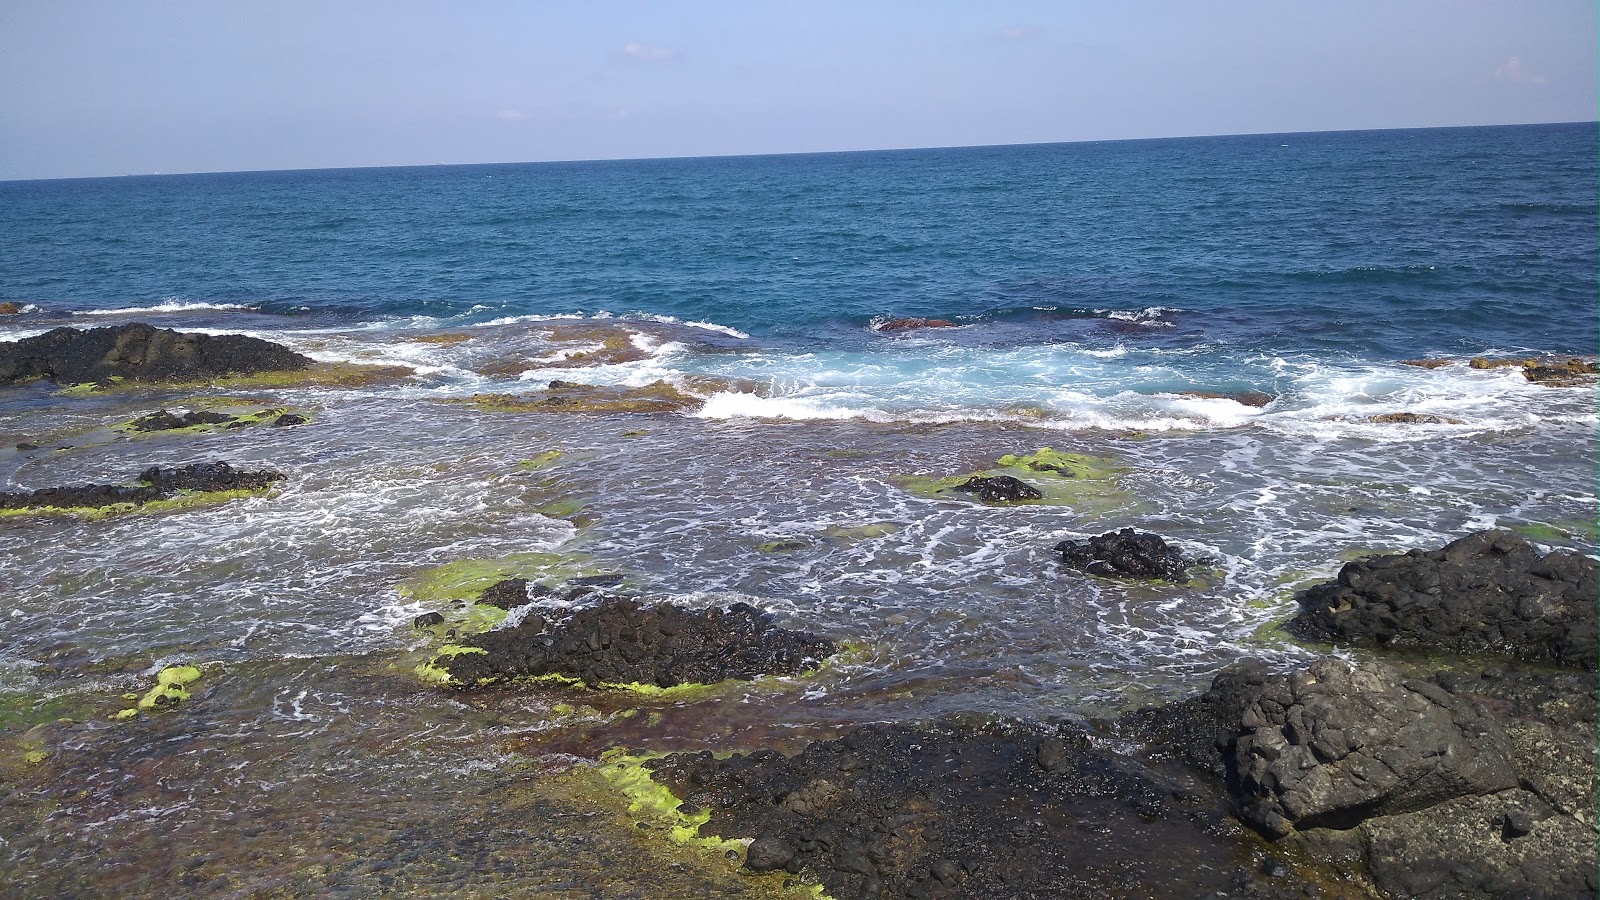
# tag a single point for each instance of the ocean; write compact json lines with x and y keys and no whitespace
{"x":1218,"y":323}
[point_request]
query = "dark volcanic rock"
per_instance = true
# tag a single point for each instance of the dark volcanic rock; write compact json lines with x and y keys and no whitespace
{"x":999,"y":488}
{"x":621,"y":641}
{"x":139,"y":352}
{"x":1488,"y":592}
{"x":162,"y":420}
{"x":289,"y":420}
{"x":156,"y":483}
{"x":1125,"y":554}
{"x":961,"y":810}
{"x":1340,"y":743}
{"x":1462,"y":785}
{"x":507,"y":594}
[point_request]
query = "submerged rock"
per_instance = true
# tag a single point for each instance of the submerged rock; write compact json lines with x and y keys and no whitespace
{"x":570,"y":397}
{"x":623,"y":642}
{"x":155,"y":484}
{"x":1489,"y":592}
{"x":1257,"y":399}
{"x":139,"y":352}
{"x":999,"y":488}
{"x":906,"y":323}
{"x":1411,"y":418}
{"x":1125,"y":554}
{"x":962,"y":810}
{"x":1433,"y":363}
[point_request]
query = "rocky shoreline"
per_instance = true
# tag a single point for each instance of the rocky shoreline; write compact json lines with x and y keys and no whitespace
{"x":1356,"y":775}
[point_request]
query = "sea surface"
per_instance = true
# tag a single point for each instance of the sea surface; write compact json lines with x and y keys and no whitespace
{"x":1216,"y":321}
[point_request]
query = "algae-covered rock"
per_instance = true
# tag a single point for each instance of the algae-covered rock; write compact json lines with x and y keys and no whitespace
{"x":139,"y":352}
{"x":1088,"y":484}
{"x":621,"y":641}
{"x":158,"y":488}
{"x":171,"y":688}
{"x":570,"y":397}
{"x":202,"y":421}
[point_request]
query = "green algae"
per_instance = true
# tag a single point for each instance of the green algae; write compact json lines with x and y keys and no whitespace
{"x":563,"y":509}
{"x":851,"y":534}
{"x":182,"y":500}
{"x":171,"y":687}
{"x":1089,"y":485}
{"x":656,"y":397}
{"x":467,"y":579}
{"x":783,"y":546}
{"x":1556,"y":532}
{"x":542,"y":461}
{"x":244,"y":415}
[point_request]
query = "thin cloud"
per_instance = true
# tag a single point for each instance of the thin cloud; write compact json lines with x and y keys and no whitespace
{"x":1512,"y":70}
{"x":637,"y":52}
{"x":1018,"y":32}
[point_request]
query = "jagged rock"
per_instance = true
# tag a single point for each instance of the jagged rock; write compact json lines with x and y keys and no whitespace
{"x":1341,"y":743}
{"x":139,"y":352}
{"x":621,"y":641}
{"x":289,"y":420}
{"x":1488,"y":592}
{"x":1125,"y":554}
{"x":9,"y":308}
{"x":507,"y":594}
{"x":999,"y":488}
{"x":156,"y":483}
{"x":1561,"y":372}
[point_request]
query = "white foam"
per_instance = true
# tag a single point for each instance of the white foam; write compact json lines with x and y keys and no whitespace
{"x":729,"y":405}
{"x":168,"y":305}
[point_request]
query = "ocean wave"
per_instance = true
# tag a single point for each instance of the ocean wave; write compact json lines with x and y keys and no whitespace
{"x":169,"y":305}
{"x":604,"y":315}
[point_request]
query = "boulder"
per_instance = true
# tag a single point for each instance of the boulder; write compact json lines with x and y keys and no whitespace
{"x":999,"y":488}
{"x":1489,"y":592}
{"x":139,"y":352}
{"x":1125,"y":554}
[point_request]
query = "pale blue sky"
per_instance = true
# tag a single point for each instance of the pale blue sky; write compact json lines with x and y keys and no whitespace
{"x":110,"y":88}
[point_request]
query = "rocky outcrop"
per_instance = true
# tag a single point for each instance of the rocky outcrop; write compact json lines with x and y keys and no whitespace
{"x":163,"y":420}
{"x":139,"y":352}
{"x":155,"y":483}
{"x":1411,"y":418}
{"x":571,"y":397}
{"x":9,"y":308}
{"x":999,"y":488}
{"x":970,"y":811}
{"x":1125,"y":554}
{"x":622,"y":641}
{"x":1488,"y":592}
{"x":1459,"y":785}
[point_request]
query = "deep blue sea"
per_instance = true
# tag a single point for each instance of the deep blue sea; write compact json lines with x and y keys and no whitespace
{"x":1218,"y":324}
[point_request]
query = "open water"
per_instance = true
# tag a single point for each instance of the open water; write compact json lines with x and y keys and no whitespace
{"x":1116,"y":300}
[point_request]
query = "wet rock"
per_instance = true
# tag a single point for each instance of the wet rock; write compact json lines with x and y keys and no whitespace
{"x":1485,"y":362}
{"x":1256,"y":399}
{"x":569,"y":397}
{"x":25,"y":447}
{"x":1488,"y":592}
{"x":156,"y":483}
{"x":1125,"y":554}
{"x":1571,"y":372}
{"x":1411,"y":418}
{"x":1427,"y":363}
{"x":9,"y":308}
{"x":621,"y":641}
{"x":428,"y":620}
{"x":139,"y":352}
{"x":999,"y":488}
{"x":907,"y":323}
{"x":966,"y":810}
{"x":507,"y":594}
{"x":162,"y":420}
{"x":289,"y":420}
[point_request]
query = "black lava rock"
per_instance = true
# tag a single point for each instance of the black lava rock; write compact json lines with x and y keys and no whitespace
{"x":1125,"y":554}
{"x":289,"y":420}
{"x":139,"y":352}
{"x":162,"y":420}
{"x":1487,"y":593}
{"x":999,"y":489}
{"x":428,"y":620}
{"x":621,"y":641}
{"x":157,"y":483}
{"x":507,"y":594}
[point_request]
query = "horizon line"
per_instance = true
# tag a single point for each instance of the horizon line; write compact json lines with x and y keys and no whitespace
{"x":607,"y":159}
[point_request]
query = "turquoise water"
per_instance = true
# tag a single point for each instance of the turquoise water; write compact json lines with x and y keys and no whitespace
{"x":1109,"y":299}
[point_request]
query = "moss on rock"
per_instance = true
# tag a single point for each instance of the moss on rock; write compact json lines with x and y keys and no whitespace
{"x":1090,"y":485}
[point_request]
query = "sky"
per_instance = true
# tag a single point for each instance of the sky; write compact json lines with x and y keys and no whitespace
{"x":139,"y":86}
